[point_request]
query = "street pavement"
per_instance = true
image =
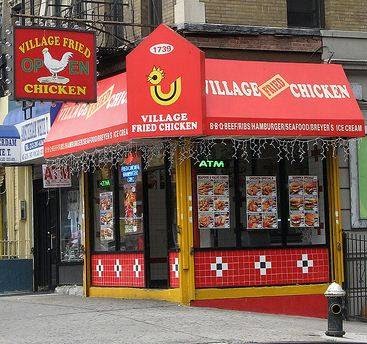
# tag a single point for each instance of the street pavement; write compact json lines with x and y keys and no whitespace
{"x":63,"y":319}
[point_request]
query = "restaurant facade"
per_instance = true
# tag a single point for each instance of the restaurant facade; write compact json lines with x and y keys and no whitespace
{"x":211,"y":182}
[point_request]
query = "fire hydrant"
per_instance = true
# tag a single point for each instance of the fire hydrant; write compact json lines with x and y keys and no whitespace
{"x":335,"y":295}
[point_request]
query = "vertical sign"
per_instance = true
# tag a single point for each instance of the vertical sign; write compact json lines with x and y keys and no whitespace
{"x":165,"y":79}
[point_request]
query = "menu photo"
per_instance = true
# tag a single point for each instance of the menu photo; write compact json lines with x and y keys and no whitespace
{"x":261,"y":202}
{"x":303,"y":201}
{"x":106,"y":216}
{"x":130,"y":208}
{"x":213,"y":201}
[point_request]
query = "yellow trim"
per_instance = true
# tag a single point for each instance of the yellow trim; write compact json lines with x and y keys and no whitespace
{"x":184,"y":221}
{"x":172,"y":295}
{"x":84,"y":199}
{"x":335,"y":222}
{"x":233,"y":293}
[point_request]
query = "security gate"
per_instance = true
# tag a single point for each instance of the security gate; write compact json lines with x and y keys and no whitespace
{"x":355,"y":262}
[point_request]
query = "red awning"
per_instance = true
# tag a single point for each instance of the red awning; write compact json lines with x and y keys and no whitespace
{"x":83,"y":126}
{"x":279,"y":99}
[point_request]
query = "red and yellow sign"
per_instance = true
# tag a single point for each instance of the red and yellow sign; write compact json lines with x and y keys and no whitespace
{"x":54,"y":65}
{"x":83,"y":126}
{"x":253,"y":98}
{"x":165,"y":79}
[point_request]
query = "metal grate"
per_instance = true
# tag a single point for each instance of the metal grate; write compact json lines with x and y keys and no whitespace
{"x":355,"y":260}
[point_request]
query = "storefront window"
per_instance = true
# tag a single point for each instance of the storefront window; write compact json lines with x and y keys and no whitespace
{"x":258,"y":202}
{"x":118,"y":207}
{"x":70,"y":224}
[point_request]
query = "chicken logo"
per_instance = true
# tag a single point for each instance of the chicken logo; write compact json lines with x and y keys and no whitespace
{"x":55,"y":67}
{"x":155,"y":78}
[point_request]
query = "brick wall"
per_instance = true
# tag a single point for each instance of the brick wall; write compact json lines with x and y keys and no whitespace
{"x":348,"y":15}
{"x":249,"y":12}
{"x":168,"y":11}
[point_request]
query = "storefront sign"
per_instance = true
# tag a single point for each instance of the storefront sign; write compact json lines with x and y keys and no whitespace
{"x":32,"y":134}
{"x":303,"y":201}
{"x":86,"y":126}
{"x":280,"y":99}
{"x":53,"y":64}
{"x":56,"y":177}
{"x":165,"y":76}
{"x":261,"y":202}
{"x":213,"y":201}
{"x":9,"y":150}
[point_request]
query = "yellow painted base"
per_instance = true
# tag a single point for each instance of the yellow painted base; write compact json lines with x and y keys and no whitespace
{"x":172,"y":295}
{"x":234,"y":293}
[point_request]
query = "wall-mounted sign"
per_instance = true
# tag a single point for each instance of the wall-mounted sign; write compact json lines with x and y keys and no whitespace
{"x":56,"y":177}
{"x":53,"y":64}
{"x":165,"y":77}
{"x":9,"y":150}
{"x":32,"y":134}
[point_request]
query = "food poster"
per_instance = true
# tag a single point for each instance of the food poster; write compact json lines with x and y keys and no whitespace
{"x":213,"y":201}
{"x":261,"y":202}
{"x":106,"y":216}
{"x":303,"y":201}
{"x":130,"y":208}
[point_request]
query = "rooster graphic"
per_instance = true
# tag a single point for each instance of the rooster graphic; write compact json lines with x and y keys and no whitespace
{"x":155,"y":78}
{"x":56,"y":66}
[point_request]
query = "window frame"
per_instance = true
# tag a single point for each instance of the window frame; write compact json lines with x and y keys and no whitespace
{"x":319,"y":11}
{"x":356,"y":221}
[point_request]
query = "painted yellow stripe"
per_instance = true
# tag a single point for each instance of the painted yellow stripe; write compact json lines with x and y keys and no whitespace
{"x":172,"y":295}
{"x":233,"y":293}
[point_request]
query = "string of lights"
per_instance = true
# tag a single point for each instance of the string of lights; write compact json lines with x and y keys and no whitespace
{"x":293,"y":150}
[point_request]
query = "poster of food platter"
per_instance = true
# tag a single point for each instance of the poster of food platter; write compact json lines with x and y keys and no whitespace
{"x":130,"y":208}
{"x":106,"y":216}
{"x":261,"y":202}
{"x":213,"y":201}
{"x":303,"y":201}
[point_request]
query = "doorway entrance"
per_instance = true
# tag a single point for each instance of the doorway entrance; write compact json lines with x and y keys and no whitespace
{"x":157,"y":229}
{"x":46,"y":224}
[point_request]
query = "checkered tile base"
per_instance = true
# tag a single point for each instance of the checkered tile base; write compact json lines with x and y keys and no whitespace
{"x":241,"y":268}
{"x":118,"y":270}
{"x":174,"y":276}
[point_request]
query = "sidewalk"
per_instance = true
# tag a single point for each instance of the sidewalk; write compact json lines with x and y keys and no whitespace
{"x":60,"y":319}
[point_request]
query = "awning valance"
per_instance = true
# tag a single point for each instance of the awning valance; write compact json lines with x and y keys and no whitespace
{"x":82,"y":126}
{"x":251,"y":98}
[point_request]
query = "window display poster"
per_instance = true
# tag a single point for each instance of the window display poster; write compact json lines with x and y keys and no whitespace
{"x":213,"y":201}
{"x":130,"y":208}
{"x":303,"y":201}
{"x":261,"y":202}
{"x":106,"y":215}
